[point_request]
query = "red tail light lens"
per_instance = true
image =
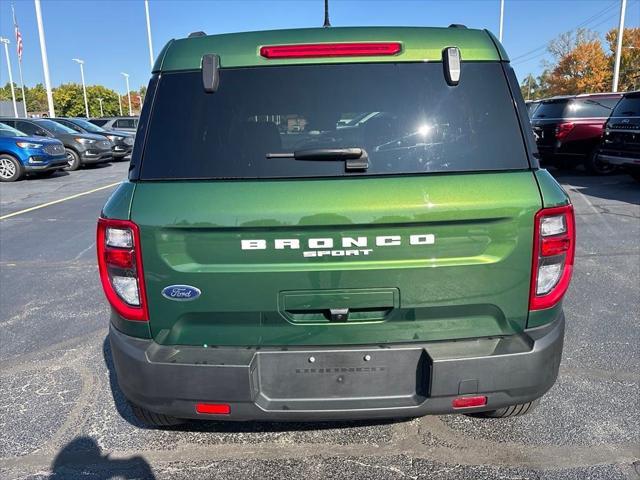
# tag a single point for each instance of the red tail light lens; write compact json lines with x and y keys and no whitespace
{"x":469,"y":402}
{"x":331,"y":50}
{"x":120,"y":266}
{"x":213,"y":408}
{"x":563,"y":130}
{"x":554,"y":246}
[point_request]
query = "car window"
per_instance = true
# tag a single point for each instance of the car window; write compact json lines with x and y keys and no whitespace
{"x":7,"y":131}
{"x":27,"y":127}
{"x":591,"y":107}
{"x":551,"y":109}
{"x":86,"y":125}
{"x":628,"y":107}
{"x":406,"y":118}
{"x":70,"y":125}
{"x":99,"y":121}
{"x":124,"y":123}
{"x":54,"y":127}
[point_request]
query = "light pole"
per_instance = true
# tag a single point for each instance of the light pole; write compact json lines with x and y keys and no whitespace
{"x":126,"y":77}
{"x":146,"y":9}
{"x":101,"y":112}
{"x":45,"y":61}
{"x":616,"y":68}
{"x":84,"y":88}
{"x":13,"y":92}
{"x":501,"y":19}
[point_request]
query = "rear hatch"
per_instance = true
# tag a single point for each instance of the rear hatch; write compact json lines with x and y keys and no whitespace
{"x":622,"y":135}
{"x":545,"y":119}
{"x":432,"y":241}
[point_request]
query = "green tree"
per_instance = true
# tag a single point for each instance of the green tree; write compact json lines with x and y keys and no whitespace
{"x":109,"y":101}
{"x":629,"y":58}
{"x":68,"y":100}
{"x":36,"y":98}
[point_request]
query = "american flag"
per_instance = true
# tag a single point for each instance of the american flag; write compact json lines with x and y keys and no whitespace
{"x":19,"y":45}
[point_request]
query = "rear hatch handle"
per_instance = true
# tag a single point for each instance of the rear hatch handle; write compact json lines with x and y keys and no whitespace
{"x":354,"y":158}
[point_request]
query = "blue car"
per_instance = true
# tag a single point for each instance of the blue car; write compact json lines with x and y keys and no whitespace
{"x":21,"y":154}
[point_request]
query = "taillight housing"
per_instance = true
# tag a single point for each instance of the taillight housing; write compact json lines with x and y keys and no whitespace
{"x":120,"y":266}
{"x":554,"y":245}
{"x":563,"y":130}
{"x":316,"y":50}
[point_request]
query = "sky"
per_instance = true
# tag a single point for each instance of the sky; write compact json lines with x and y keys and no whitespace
{"x":111,"y":36}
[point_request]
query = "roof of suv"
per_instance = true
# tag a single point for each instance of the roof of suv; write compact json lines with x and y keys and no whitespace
{"x":243,"y":49}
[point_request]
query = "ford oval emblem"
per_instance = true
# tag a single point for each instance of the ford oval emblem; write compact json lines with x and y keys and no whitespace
{"x":181,"y":293}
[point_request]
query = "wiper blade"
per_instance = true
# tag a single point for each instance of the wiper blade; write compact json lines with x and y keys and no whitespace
{"x":354,"y":158}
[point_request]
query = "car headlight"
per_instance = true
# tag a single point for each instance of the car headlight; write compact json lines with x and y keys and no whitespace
{"x":85,"y":141}
{"x":113,"y":138}
{"x":29,"y":145}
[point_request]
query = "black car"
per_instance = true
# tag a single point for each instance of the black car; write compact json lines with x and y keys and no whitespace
{"x":128,"y":124}
{"x":81,"y":148}
{"x":122,"y":141}
{"x":621,"y":143}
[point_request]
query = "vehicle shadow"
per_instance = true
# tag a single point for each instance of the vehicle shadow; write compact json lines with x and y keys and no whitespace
{"x":619,"y":186}
{"x":124,"y":410}
{"x":82,"y":458}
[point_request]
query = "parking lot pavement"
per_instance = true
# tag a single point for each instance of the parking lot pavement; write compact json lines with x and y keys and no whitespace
{"x":63,"y":416}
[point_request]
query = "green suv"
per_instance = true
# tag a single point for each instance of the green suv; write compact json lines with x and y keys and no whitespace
{"x":337,"y":223}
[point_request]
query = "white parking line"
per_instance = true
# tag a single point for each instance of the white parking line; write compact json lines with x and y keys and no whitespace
{"x":71,"y":197}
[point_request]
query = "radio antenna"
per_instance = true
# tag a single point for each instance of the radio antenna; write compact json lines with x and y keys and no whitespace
{"x":326,"y":14}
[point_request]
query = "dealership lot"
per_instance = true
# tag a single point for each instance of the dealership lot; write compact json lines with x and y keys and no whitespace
{"x":63,"y":416}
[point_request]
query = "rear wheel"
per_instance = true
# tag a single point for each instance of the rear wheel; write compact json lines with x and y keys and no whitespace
{"x":154,"y":419}
{"x":73,"y":159}
{"x":595,"y":166}
{"x":506,"y":412}
{"x":10,"y":169}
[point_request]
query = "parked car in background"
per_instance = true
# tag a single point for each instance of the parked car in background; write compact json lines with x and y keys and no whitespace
{"x":22,"y":154}
{"x":122,"y":142}
{"x":569,"y":129}
{"x":532,"y":106}
{"x":81,"y":148}
{"x":621,"y":143}
{"x":127,"y":124}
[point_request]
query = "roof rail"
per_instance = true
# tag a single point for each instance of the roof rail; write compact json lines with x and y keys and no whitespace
{"x":197,"y":34}
{"x":457,"y":25}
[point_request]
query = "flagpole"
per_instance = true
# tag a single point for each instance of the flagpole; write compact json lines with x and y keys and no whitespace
{"x":45,"y":61}
{"x":19,"y":53}
{"x":13,"y":93}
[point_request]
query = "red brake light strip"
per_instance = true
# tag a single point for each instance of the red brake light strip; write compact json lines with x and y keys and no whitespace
{"x":318,"y":50}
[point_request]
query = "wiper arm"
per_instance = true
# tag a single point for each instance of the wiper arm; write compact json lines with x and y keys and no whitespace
{"x":354,"y":158}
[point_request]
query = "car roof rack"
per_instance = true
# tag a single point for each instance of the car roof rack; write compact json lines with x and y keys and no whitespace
{"x":197,"y":34}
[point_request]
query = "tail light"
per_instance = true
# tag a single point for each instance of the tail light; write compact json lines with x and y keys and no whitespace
{"x":315,"y":50}
{"x":120,"y":265}
{"x":564,"y":129}
{"x":554,"y":244}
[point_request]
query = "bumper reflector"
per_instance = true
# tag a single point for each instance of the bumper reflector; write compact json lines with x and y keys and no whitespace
{"x":469,"y":402}
{"x":213,"y":408}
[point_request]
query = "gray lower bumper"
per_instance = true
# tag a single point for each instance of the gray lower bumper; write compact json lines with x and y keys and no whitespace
{"x":620,"y":161}
{"x":285,"y":384}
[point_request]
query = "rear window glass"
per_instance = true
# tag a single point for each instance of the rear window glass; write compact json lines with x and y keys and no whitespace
{"x":405,"y":116}
{"x":628,"y":107}
{"x":553,"y":109}
{"x":577,"y":108}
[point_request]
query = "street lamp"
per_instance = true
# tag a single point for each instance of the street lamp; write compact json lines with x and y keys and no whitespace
{"x":84,"y":88}
{"x":146,"y":9}
{"x":101,"y":112}
{"x":126,"y":77}
{"x":13,"y":93}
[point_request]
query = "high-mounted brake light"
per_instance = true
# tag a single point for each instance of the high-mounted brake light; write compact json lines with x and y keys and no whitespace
{"x":554,"y":244}
{"x":563,"y":130}
{"x":120,"y":266}
{"x":314,"y":50}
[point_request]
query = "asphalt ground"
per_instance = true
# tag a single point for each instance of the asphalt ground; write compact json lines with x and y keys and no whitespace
{"x":62,"y":415}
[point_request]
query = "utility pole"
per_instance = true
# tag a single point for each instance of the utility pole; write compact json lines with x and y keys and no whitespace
{"x":126,"y":77}
{"x":616,"y":68}
{"x":529,"y":89}
{"x":501,"y":19}
{"x":120,"y":105}
{"x":326,"y":14}
{"x":101,"y":111}
{"x":146,"y":9}
{"x":45,"y":61}
{"x":84,"y":88}
{"x":13,"y":92}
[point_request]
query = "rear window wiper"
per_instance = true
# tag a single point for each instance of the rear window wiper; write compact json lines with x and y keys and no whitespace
{"x":354,"y":158}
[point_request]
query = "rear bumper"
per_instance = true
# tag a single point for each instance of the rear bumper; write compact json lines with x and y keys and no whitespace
{"x":620,"y":160}
{"x":270,"y":383}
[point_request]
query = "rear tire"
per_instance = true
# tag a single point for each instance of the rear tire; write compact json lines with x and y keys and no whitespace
{"x":594,"y":166}
{"x":154,"y":419}
{"x":10,"y":169}
{"x":73,"y":159}
{"x":506,"y":412}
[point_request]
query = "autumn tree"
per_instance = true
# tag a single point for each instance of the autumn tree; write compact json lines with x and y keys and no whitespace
{"x":629,"y":58}
{"x":585,"y":69}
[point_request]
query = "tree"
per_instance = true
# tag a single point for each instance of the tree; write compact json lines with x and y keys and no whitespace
{"x":629,"y":57}
{"x":68,"y":100}
{"x":109,"y":100}
{"x":584,"y":69}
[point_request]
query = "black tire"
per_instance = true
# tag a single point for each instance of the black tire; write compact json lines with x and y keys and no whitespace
{"x":506,"y":412}
{"x":73,"y":159}
{"x":154,"y":419}
{"x":594,"y":166}
{"x":11,"y":169}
